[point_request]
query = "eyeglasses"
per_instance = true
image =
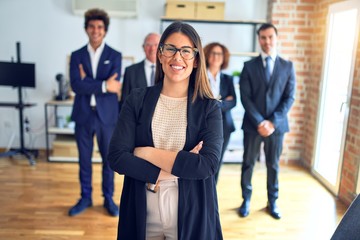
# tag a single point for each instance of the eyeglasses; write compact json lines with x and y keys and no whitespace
{"x":187,"y":53}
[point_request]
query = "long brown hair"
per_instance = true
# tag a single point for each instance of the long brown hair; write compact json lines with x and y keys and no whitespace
{"x":198,"y":77}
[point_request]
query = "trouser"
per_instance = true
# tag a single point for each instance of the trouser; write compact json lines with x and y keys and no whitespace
{"x":227,"y":135}
{"x":84,"y":134}
{"x":162,"y":211}
{"x":272,"y":149}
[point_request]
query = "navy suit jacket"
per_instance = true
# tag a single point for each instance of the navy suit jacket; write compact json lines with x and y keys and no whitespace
{"x":106,"y":103}
{"x":198,"y":216}
{"x":134,"y":77}
{"x":267,"y":101}
{"x":227,"y":89}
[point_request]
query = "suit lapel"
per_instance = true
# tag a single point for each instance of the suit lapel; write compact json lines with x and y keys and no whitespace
{"x":150,"y":101}
{"x":87,"y":63}
{"x":142,"y":75}
{"x":103,"y":58}
{"x":222,"y":85}
{"x":275,"y":71}
{"x":192,"y":116}
{"x":260,"y":66}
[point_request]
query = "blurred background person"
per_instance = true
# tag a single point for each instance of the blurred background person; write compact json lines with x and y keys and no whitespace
{"x":267,"y":93}
{"x":94,"y":77}
{"x":217,"y":58}
{"x":141,"y":74}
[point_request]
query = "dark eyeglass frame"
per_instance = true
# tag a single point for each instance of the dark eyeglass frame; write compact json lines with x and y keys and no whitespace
{"x":195,"y":50}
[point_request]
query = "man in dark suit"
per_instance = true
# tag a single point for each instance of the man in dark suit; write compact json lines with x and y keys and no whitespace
{"x":142,"y":74}
{"x":94,"y":76}
{"x":267,"y":88}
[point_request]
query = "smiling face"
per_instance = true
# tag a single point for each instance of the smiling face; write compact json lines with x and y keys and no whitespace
{"x":150,"y":47}
{"x":267,"y":40}
{"x":216,"y":57}
{"x":96,"y":32}
{"x":176,"y":68}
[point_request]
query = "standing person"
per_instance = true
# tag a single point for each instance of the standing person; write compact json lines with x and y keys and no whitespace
{"x":94,"y":76}
{"x":142,"y":74}
{"x":217,"y":58}
{"x":167,"y":143}
{"x":267,"y":94}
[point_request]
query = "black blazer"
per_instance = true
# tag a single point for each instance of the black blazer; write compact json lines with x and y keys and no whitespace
{"x":198,"y":208}
{"x":106,"y":103}
{"x":227,"y":89}
{"x":267,"y":101}
{"x":134,"y":77}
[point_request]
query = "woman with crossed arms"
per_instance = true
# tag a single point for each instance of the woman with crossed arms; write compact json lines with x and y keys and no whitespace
{"x":168,"y":143}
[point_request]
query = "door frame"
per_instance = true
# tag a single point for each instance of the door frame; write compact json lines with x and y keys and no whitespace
{"x":334,"y":8}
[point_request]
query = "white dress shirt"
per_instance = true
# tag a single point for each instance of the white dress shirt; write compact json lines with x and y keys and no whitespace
{"x":94,"y":58}
{"x":214,"y":83}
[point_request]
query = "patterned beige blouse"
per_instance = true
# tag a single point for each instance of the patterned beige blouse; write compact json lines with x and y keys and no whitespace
{"x":169,"y":123}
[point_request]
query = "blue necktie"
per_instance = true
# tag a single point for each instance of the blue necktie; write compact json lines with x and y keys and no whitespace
{"x":152,"y":76}
{"x":267,"y":68}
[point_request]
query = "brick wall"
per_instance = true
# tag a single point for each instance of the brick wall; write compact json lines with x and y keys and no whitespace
{"x":302,"y":26}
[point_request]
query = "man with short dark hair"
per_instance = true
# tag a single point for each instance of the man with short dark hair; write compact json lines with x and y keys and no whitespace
{"x":94,"y":77}
{"x":267,"y":89}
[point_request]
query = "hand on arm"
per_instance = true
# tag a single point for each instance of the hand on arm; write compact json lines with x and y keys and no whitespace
{"x":229,"y":98}
{"x":82,"y":72}
{"x":113,"y":85}
{"x":266,"y":128}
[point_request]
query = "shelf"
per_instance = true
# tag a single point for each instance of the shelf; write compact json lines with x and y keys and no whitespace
{"x":69,"y":103}
{"x":245,"y":54}
{"x":55,"y":130}
{"x":253,"y":22}
{"x":69,"y":159}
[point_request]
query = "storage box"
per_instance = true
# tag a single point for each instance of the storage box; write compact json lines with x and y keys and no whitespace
{"x":65,"y":146}
{"x":180,"y":9}
{"x":210,"y":10}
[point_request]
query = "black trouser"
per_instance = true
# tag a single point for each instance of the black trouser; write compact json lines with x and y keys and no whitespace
{"x":272,"y":149}
{"x":224,"y":147}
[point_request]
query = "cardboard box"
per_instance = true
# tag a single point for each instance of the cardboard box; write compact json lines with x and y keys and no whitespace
{"x":65,"y":146}
{"x":210,"y":10}
{"x":180,"y":9}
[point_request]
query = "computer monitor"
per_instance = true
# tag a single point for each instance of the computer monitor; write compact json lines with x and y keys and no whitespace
{"x":17,"y":74}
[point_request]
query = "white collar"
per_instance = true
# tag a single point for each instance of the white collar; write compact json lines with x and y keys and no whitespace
{"x":272,"y":55}
{"x":148,"y":63}
{"x":99,"y":49}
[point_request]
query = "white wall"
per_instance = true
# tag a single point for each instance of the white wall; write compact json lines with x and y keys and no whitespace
{"x":49,"y":31}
